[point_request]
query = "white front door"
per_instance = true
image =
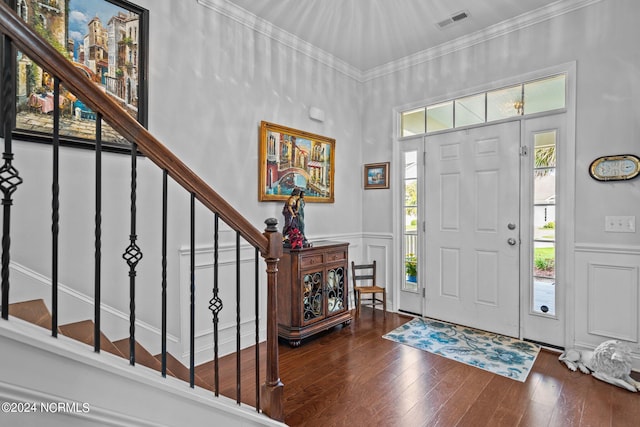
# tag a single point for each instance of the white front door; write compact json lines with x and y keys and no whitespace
{"x":472,"y":239}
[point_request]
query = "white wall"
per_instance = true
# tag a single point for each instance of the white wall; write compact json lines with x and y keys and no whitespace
{"x":602,"y":39}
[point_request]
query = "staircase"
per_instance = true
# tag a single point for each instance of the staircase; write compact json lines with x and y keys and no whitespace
{"x":37,"y":367}
{"x":101,"y":389}
{"x":37,"y":313}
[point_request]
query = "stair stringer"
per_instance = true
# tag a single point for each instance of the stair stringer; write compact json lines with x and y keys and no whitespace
{"x":101,"y":389}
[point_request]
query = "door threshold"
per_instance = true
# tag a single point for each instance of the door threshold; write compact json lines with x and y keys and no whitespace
{"x":551,"y":347}
{"x":410,"y":312}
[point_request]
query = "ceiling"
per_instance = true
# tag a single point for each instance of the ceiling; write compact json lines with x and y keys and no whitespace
{"x":366,"y":34}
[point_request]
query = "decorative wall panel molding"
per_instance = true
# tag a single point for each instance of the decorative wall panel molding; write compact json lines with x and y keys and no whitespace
{"x":203,"y":281}
{"x":607,"y":294}
{"x":612,"y":295}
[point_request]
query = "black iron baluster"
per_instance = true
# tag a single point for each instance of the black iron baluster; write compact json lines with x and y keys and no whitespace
{"x":98,"y":237}
{"x":215,"y":305}
{"x":257,"y":297}
{"x":55,"y":207}
{"x":9,"y":176}
{"x":238,"y":368}
{"x":164,"y":272}
{"x":192,"y":304}
{"x":132,"y":255}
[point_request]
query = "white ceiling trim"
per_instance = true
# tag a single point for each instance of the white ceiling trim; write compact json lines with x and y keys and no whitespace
{"x":262,"y":26}
{"x":267,"y":29}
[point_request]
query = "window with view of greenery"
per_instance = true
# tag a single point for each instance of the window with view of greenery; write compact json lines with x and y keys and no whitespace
{"x":410,"y":226}
{"x":544,"y":223}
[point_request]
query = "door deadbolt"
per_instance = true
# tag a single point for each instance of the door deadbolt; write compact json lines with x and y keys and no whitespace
{"x":511,"y":226}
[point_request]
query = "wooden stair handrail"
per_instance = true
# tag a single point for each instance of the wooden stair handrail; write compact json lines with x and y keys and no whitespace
{"x":39,"y":50}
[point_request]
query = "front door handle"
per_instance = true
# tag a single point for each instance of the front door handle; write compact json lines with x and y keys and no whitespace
{"x":511,"y":241}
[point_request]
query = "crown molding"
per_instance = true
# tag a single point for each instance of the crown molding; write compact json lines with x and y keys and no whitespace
{"x":525,"y":20}
{"x":266,"y":28}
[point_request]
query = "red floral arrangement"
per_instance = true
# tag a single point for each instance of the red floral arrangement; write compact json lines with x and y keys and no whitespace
{"x":295,"y":237}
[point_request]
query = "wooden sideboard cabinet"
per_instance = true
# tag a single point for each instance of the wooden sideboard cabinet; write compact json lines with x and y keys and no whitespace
{"x":312,"y":290}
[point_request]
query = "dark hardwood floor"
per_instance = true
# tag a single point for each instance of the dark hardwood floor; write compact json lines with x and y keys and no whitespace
{"x":351,"y":376}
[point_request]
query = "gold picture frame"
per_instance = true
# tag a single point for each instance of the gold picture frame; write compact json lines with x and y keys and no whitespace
{"x":376,"y":176}
{"x":291,"y":158}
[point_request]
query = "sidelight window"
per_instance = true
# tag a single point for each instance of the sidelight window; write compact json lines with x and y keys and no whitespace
{"x":544,"y":223}
{"x":410,"y":227}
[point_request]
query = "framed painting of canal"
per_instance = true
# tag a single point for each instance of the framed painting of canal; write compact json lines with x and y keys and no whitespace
{"x":291,"y":159}
{"x":106,"y":40}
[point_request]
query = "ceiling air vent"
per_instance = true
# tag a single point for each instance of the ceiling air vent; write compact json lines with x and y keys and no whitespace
{"x":456,"y":17}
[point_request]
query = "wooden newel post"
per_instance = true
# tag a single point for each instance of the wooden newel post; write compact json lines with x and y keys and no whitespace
{"x":272,"y":390}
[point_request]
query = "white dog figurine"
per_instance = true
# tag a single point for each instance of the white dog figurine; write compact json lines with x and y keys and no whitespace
{"x":609,"y":362}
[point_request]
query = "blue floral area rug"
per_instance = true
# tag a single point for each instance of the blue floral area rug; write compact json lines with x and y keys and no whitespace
{"x":499,"y":354}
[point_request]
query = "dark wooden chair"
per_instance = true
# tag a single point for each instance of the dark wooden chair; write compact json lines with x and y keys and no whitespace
{"x":364,"y":282}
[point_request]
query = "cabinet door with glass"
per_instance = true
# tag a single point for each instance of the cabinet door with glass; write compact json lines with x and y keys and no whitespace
{"x":336,"y":289}
{"x":313,"y":297}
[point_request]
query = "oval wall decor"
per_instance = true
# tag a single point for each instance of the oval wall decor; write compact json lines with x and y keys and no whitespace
{"x":615,"y":168}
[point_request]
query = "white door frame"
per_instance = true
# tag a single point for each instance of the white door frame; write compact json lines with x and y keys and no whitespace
{"x":565,"y":212}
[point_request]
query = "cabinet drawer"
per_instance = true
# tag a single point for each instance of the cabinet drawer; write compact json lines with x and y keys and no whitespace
{"x":336,"y":256}
{"x":311,"y":260}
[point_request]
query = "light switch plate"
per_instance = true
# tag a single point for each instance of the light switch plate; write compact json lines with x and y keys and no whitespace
{"x":620,"y":224}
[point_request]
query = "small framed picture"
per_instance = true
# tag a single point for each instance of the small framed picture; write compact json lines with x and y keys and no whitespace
{"x":376,"y":175}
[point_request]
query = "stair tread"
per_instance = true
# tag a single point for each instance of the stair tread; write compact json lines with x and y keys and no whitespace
{"x":143,"y":357}
{"x":33,"y":311}
{"x":83,"y":331}
{"x":182,"y":372}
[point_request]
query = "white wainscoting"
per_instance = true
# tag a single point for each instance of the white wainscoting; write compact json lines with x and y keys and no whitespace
{"x":75,"y":306}
{"x":607,"y":302}
{"x":379,"y":247}
{"x":227,"y":293}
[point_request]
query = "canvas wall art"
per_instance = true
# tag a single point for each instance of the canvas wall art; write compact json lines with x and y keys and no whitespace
{"x":106,"y":40}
